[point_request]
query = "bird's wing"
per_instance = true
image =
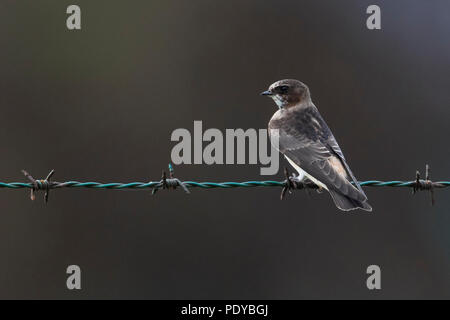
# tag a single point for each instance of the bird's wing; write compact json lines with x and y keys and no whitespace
{"x":305,"y":138}
{"x":333,"y":145}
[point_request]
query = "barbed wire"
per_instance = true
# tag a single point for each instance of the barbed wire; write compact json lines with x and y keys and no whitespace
{"x":290,"y":183}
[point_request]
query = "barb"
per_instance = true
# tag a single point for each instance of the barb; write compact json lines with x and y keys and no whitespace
{"x":426,"y":184}
{"x":290,"y":183}
{"x":169,"y":183}
{"x":44,"y":184}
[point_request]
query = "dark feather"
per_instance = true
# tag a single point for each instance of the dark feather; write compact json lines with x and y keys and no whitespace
{"x":305,"y":138}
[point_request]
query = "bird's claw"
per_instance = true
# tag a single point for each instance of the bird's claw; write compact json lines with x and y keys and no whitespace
{"x":291,"y":182}
{"x":294,"y":182}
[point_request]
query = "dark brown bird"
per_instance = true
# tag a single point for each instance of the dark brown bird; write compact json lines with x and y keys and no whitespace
{"x":308,"y":144}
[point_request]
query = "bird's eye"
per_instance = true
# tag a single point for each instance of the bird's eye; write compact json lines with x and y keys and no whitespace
{"x":282,"y":89}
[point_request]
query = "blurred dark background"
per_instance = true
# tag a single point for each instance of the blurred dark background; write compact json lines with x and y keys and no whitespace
{"x":100,"y":104}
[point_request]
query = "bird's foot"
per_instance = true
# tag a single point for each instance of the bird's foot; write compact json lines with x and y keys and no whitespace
{"x":292,"y":182}
{"x":298,"y":182}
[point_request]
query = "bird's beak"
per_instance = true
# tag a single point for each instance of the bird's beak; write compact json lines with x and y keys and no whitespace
{"x":266,"y":93}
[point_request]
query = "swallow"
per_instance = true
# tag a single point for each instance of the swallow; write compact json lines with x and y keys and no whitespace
{"x":309,"y":145}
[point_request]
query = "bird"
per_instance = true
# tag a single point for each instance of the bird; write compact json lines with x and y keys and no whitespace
{"x":308,"y":144}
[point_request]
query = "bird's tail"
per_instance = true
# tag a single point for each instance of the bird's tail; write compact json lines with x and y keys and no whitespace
{"x":346,"y":204}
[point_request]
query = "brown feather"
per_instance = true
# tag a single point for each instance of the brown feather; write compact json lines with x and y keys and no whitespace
{"x":336,"y":164}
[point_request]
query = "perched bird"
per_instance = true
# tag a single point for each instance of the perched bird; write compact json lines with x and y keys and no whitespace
{"x":308,"y":144}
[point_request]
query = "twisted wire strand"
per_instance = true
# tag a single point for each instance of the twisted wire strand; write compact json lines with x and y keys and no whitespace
{"x":171,"y":182}
{"x":204,"y":185}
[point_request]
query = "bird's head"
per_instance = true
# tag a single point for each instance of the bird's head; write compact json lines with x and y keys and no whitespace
{"x":288,"y":93}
